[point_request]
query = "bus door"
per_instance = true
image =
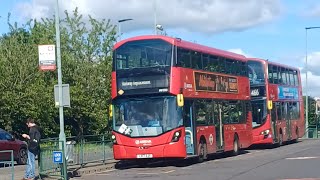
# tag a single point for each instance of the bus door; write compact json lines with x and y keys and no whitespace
{"x":189,"y":128}
{"x":218,"y":125}
{"x":274,"y":122}
{"x":288,"y":121}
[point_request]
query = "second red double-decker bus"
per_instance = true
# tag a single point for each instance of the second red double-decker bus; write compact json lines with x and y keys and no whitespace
{"x":173,"y":99}
{"x":277,"y":103}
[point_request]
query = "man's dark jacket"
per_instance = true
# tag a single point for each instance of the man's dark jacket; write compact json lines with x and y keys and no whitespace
{"x":34,"y":141}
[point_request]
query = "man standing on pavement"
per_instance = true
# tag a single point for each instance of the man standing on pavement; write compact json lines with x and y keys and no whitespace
{"x":33,"y":148}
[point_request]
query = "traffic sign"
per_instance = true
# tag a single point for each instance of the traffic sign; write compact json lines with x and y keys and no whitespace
{"x":57,"y":157}
{"x":47,"y":57}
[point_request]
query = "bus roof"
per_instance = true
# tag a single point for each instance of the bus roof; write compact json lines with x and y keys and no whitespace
{"x":185,"y":44}
{"x":273,"y":63}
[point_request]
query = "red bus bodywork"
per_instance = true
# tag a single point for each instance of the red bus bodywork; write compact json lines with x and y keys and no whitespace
{"x":277,"y":131}
{"x":182,"y":80}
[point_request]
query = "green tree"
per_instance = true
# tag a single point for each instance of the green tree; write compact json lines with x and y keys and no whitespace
{"x":86,"y":66}
{"x":311,"y":110}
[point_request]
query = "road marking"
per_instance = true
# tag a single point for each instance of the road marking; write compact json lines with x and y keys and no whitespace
{"x":301,"y":158}
{"x":166,"y":172}
{"x":147,"y":173}
{"x":303,"y":179}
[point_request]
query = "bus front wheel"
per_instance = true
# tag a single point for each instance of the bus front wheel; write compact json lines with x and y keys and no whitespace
{"x":203,"y":153}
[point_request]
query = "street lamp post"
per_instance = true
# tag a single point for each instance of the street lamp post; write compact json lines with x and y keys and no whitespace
{"x":306,"y":89}
{"x":119,"y":25}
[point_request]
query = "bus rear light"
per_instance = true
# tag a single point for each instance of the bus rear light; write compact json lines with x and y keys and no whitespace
{"x":176,"y":136}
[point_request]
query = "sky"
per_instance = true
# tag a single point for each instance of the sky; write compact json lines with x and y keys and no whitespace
{"x":268,"y":29}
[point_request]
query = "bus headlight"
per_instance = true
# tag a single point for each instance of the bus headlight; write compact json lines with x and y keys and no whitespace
{"x":113,"y":137}
{"x":265,"y":132}
{"x":176,"y":136}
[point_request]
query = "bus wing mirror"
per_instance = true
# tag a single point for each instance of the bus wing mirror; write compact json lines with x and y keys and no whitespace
{"x":110,"y":110}
{"x":270,"y":105}
{"x":180,"y":100}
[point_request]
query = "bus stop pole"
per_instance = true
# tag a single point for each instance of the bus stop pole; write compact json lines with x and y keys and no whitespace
{"x":62,"y":136}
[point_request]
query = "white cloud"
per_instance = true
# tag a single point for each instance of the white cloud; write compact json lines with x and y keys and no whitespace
{"x":313,"y":63}
{"x":207,"y":16}
{"x":240,"y":51}
{"x":313,"y":74}
{"x":312,"y":10}
{"x":313,"y":84}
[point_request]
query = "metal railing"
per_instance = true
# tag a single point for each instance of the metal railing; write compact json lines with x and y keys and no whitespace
{"x":6,"y":165}
{"x":79,"y":151}
{"x":88,"y":149}
{"x":313,"y":131}
{"x":47,"y":167}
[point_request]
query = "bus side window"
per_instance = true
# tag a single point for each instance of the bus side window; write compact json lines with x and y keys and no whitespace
{"x":225,"y":113}
{"x":210,"y":112}
{"x":295,"y":77}
{"x":196,"y":60}
{"x":184,"y":58}
{"x":279,"y":110}
{"x":291,"y":77}
{"x":244,"y":69}
{"x":200,"y":113}
{"x":275,"y":74}
{"x":284,"y":110}
{"x":213,"y":64}
{"x":234,"y":112}
{"x":216,"y":112}
{"x":205,"y":62}
{"x":270,"y":73}
{"x":297,"y":110}
{"x":222,"y":65}
{"x":290,"y":111}
{"x":284,"y":76}
{"x":274,"y":112}
{"x":242,"y":112}
{"x":280,"y":76}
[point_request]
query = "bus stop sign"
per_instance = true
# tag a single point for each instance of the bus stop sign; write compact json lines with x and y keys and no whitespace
{"x":57,"y":157}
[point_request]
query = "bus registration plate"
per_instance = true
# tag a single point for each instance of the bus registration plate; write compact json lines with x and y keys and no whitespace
{"x":144,"y":155}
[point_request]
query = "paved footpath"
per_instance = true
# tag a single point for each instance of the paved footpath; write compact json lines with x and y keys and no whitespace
{"x":6,"y":173}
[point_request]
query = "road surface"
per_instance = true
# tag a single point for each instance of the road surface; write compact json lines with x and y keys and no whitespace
{"x":290,"y":162}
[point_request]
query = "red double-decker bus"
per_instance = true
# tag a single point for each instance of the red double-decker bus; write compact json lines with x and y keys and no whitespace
{"x":174,"y":99}
{"x":277,"y":102}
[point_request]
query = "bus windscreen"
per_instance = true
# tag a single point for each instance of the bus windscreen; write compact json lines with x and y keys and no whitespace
{"x":147,"y":116}
{"x":143,"y":54}
{"x":256,"y":72}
